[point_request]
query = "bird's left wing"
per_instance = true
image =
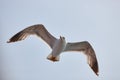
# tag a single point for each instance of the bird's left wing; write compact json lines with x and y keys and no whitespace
{"x":88,"y":51}
{"x":38,"y":30}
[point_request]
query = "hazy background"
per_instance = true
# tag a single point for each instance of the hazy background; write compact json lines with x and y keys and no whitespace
{"x":97,"y":21}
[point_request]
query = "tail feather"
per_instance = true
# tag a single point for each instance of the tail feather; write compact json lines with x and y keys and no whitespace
{"x":52,"y":58}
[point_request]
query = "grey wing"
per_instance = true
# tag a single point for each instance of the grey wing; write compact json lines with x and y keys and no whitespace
{"x":88,"y":51}
{"x":38,"y":30}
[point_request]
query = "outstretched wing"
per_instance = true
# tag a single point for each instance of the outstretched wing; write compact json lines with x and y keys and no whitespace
{"x":88,"y":51}
{"x":38,"y":30}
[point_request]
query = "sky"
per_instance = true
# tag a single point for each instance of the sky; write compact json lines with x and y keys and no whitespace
{"x":95,"y":21}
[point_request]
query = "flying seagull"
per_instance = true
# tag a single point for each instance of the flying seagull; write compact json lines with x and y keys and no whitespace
{"x":58,"y":45}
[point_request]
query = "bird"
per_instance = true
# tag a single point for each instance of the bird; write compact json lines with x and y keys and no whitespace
{"x":58,"y":45}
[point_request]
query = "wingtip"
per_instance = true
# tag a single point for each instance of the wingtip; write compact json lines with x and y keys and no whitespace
{"x":97,"y":74}
{"x":8,"y":41}
{"x":95,"y":69}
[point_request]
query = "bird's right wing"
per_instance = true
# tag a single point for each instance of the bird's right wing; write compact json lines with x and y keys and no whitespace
{"x":88,"y":51}
{"x":38,"y":30}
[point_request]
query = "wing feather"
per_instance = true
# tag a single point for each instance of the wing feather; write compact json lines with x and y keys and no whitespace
{"x":38,"y":30}
{"x":88,"y":51}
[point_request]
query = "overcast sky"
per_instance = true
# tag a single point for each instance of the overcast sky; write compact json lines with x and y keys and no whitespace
{"x":96,"y":21}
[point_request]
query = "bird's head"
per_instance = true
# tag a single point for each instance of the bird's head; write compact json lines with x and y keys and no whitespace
{"x":62,"y":38}
{"x":62,"y":41}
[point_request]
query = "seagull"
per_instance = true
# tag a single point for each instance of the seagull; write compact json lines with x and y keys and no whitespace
{"x":58,"y":45}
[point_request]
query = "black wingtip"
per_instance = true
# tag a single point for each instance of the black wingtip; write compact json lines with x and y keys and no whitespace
{"x":97,"y":74}
{"x":95,"y":68}
{"x":16,"y":37}
{"x":8,"y":41}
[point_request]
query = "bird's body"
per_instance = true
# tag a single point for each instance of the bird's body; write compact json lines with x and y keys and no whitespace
{"x":58,"y":45}
{"x":58,"y":48}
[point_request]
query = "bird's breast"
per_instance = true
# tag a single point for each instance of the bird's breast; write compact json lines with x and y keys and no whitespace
{"x":58,"y":47}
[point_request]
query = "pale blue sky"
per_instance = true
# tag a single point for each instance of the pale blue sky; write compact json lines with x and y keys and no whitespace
{"x":97,"y":21}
